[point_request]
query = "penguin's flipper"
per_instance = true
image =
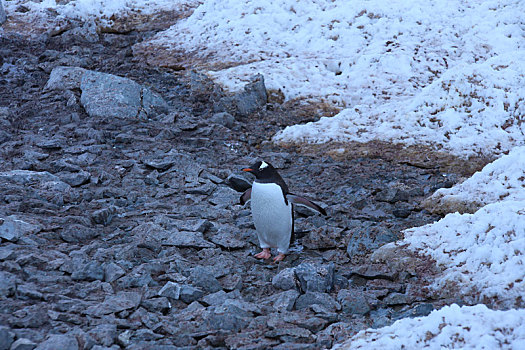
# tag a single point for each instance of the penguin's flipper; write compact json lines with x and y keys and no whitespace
{"x":303,"y":201}
{"x":246,"y":196}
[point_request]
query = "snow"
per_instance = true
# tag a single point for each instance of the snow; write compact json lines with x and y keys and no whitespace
{"x":449,"y":74}
{"x":481,"y":255}
{"x":96,"y":9}
{"x":452,"y":327}
{"x":503,"y":179}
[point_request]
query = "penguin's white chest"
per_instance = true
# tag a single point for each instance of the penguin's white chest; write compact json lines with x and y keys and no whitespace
{"x":272,"y":216}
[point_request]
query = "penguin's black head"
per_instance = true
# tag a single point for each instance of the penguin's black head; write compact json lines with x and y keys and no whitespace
{"x":262,"y":170}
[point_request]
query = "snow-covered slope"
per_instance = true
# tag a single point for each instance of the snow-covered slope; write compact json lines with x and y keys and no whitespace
{"x":445,"y":73}
{"x":452,"y":327}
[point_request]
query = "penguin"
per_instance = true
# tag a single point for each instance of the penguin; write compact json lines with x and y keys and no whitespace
{"x":272,"y":209}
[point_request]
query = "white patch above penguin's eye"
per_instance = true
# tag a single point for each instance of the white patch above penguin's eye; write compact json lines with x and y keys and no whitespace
{"x":263,"y":165}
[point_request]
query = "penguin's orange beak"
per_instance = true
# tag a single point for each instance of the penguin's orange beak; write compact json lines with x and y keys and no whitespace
{"x":247,"y":169}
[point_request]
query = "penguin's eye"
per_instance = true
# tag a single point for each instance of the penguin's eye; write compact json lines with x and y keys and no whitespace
{"x":263,"y":165}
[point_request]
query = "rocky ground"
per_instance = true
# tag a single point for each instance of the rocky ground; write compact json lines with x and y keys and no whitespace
{"x":119,"y":218}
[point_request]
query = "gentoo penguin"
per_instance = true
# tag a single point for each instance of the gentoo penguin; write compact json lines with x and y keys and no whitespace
{"x":272,"y":209}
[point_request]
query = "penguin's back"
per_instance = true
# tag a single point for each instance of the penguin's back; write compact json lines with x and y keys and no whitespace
{"x":272,"y":216}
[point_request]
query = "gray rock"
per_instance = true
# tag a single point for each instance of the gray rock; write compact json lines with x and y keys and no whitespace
{"x":7,"y":284}
{"x":90,"y":271}
{"x":398,"y":299}
{"x":75,"y":179}
{"x":171,"y":290}
{"x":223,"y":118}
{"x":104,"y":216}
{"x":28,"y":290}
{"x":59,"y":341}
{"x":115,"y":303}
{"x":316,"y":298}
{"x":366,"y":237}
{"x":419,"y":310}
{"x":214,"y":299}
{"x":76,"y":233}
{"x":104,"y":334}
{"x":285,"y":300}
{"x":11,"y":228}
{"x":187,"y":239}
{"x":106,"y":95}
{"x":238,"y":183}
{"x":203,"y":278}
{"x":248,"y":101}
{"x":156,"y":305}
{"x":53,"y":143}
{"x":353,"y":301}
{"x":189,"y":293}
{"x":23,"y":344}
{"x":27,"y":177}
{"x":34,"y":316}
{"x":224,"y":197}
{"x":3,"y":16}
{"x":226,"y":238}
{"x":324,"y":237}
{"x":318,"y":278}
{"x":65,"y":78}
{"x":286,"y":279}
{"x":6,"y":336}
{"x":112,"y":272}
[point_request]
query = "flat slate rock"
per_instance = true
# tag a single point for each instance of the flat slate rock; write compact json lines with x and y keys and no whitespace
{"x":106,"y":95}
{"x":187,"y":239}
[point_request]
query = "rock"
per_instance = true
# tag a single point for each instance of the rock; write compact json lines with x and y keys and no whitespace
{"x":7,"y":284}
{"x":59,"y":341}
{"x":109,"y":96}
{"x":28,"y":290}
{"x":353,"y":302}
{"x":23,"y":344}
{"x":76,"y":233}
{"x":398,"y":299}
{"x":214,"y":299}
{"x":34,"y":316}
{"x":204,"y":279}
{"x":392,"y":195}
{"x":112,"y":272}
{"x":156,"y":305}
{"x":6,"y":335}
{"x":27,"y":177}
{"x":187,"y":239}
{"x":398,"y":258}
{"x":104,"y":334}
{"x":171,"y":290}
{"x":11,"y":229}
{"x":318,"y":278}
{"x":65,"y":78}
{"x":419,"y":310}
{"x":189,"y":294}
{"x":324,"y":237}
{"x":90,"y":271}
{"x":312,"y":298}
{"x":52,"y":144}
{"x":285,"y":280}
{"x":3,"y":16}
{"x":367,"y":237}
{"x":248,"y":101}
{"x":238,"y":183}
{"x":223,"y":118}
{"x":224,"y":197}
{"x":104,"y":216}
{"x":75,"y":179}
{"x":226,"y":238}
{"x":115,"y":303}
{"x":285,"y":300}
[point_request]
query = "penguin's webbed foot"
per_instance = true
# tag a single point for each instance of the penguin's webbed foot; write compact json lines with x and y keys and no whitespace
{"x":265,"y":254}
{"x":278,"y":258}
